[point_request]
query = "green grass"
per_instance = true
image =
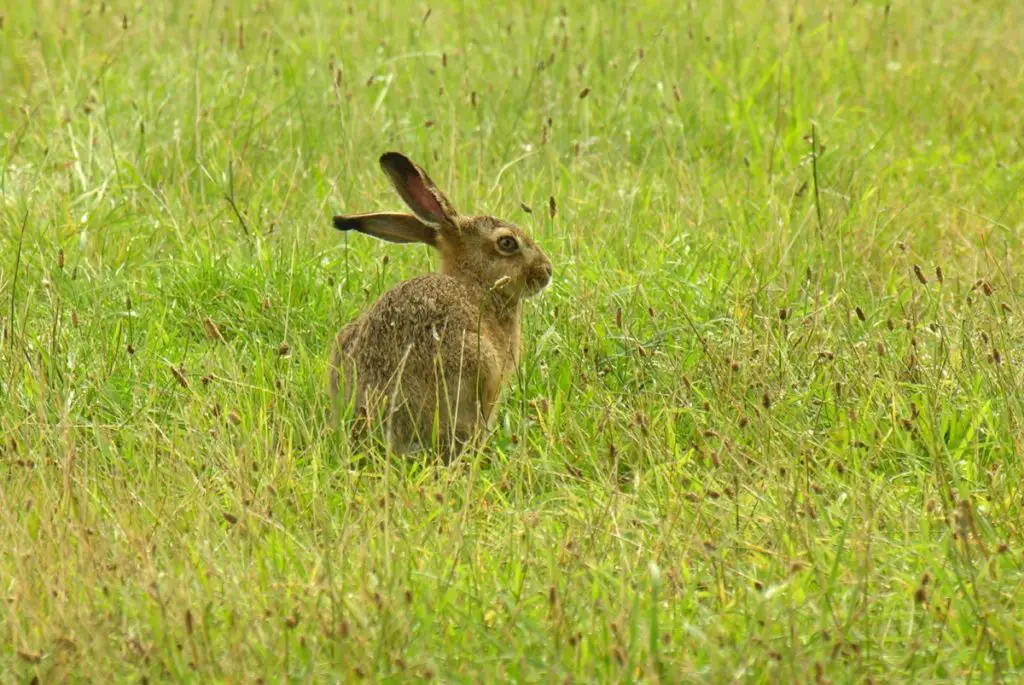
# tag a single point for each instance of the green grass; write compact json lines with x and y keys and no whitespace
{"x":747,"y":442}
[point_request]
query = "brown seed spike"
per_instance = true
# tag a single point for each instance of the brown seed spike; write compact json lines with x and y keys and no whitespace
{"x":30,"y":657}
{"x":552,"y":206}
{"x":986,"y":288}
{"x":920,"y":275}
{"x":766,"y":400}
{"x":179,"y":376}
{"x":230,"y":518}
{"x":60,"y":259}
{"x":938,"y":274}
{"x":783,"y":314}
{"x":525,"y":207}
{"x":212,"y":330}
{"x":584,"y":93}
{"x":188,"y":621}
{"x":860,"y":314}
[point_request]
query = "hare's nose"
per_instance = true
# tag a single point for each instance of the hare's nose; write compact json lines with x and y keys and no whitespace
{"x":549,"y":270}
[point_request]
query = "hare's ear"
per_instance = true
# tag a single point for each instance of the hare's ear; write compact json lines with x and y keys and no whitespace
{"x":394,"y":228}
{"x":418,"y":191}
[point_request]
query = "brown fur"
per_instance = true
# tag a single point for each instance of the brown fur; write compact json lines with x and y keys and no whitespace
{"x":434,"y":352}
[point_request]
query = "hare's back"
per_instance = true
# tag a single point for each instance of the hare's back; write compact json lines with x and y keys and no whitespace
{"x":421,"y":312}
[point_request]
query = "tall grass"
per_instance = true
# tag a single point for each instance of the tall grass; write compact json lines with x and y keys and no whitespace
{"x":768,"y":422}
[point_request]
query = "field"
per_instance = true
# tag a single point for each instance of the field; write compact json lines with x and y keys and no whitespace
{"x":768,"y":420}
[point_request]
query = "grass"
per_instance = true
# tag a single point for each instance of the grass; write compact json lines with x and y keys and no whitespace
{"x":769,"y":419}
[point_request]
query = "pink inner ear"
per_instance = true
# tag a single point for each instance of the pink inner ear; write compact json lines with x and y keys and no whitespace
{"x":418,"y":191}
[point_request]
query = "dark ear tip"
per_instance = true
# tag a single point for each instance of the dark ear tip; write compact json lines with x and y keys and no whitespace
{"x":395,"y":160}
{"x":344,"y":223}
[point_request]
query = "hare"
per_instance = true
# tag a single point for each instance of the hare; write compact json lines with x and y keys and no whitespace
{"x":431,"y":355}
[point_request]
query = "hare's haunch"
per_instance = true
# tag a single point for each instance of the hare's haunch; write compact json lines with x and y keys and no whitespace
{"x":430,"y":357}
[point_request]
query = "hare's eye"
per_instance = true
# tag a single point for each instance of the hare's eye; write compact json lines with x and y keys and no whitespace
{"x":507,"y":244}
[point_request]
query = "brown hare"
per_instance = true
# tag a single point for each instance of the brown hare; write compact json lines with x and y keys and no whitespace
{"x":431,"y":355}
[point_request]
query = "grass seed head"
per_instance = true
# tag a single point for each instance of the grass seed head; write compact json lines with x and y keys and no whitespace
{"x":860,"y":313}
{"x":179,"y":375}
{"x":920,"y":275}
{"x":212,"y":330}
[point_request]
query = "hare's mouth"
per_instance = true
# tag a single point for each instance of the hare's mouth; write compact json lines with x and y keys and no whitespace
{"x":540,"y":277}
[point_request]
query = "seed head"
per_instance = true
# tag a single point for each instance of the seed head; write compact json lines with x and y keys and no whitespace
{"x":212,"y":330}
{"x":179,"y":375}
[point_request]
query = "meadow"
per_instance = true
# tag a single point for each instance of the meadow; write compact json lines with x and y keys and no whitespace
{"x":768,"y":419}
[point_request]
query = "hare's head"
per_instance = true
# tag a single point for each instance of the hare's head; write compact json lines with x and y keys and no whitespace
{"x":482,"y":249}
